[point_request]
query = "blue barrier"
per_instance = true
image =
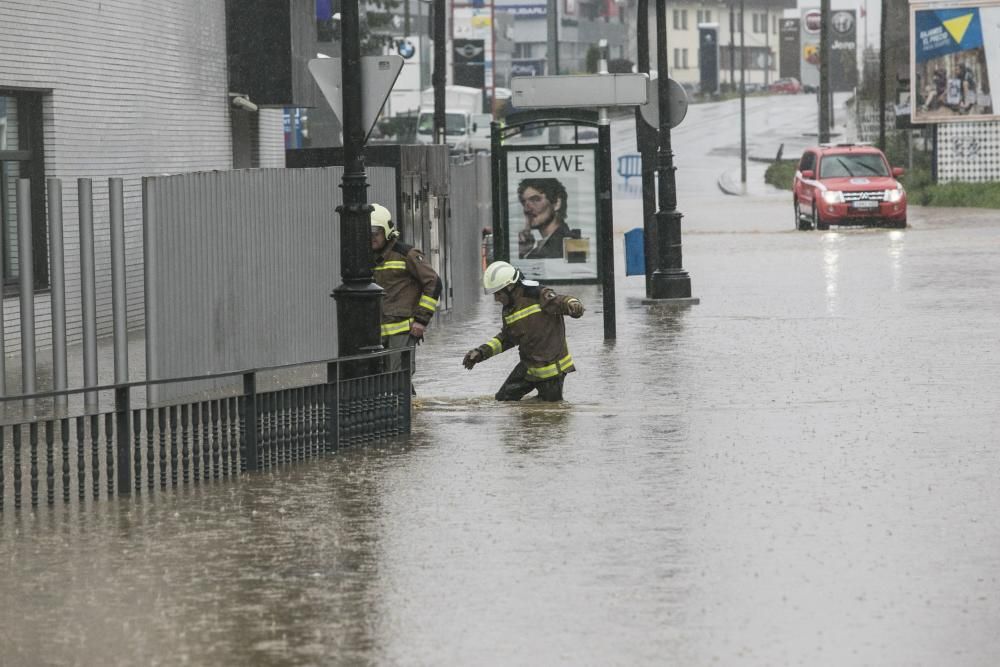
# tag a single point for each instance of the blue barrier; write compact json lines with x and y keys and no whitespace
{"x":635,"y":257}
{"x":629,"y":166}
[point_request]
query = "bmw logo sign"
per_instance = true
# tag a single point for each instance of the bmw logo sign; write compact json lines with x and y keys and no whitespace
{"x":405,"y":48}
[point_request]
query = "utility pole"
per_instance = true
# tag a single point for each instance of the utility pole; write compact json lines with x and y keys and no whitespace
{"x":824,"y":72}
{"x":646,"y":143}
{"x":882,"y":39}
{"x":670,"y":281}
{"x":767,"y":46}
{"x":732,"y":47}
{"x":552,"y":51}
{"x":439,"y":76}
{"x":359,"y":299}
{"x":743,"y":100}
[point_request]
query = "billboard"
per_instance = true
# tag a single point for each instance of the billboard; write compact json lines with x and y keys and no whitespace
{"x":956,"y":61}
{"x":550,"y":209}
{"x":468,"y":60}
{"x":788,"y":61}
{"x":809,"y":45}
{"x":843,"y":50}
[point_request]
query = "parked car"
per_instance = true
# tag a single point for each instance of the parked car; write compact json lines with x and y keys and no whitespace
{"x":847,"y":184}
{"x":789,"y":85}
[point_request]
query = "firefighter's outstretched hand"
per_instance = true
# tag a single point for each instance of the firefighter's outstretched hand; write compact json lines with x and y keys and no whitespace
{"x":575,"y":308}
{"x":472,"y":357}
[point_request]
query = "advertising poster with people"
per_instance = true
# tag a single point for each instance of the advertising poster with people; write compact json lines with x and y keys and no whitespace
{"x":956,"y":61}
{"x":551,"y":211}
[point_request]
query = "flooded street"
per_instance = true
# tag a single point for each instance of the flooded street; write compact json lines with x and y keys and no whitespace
{"x":799,"y":470}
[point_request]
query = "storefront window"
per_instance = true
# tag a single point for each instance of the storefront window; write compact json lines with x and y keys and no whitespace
{"x":21,"y":157}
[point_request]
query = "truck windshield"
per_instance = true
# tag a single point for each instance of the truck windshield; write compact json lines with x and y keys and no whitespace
{"x":839,"y":166}
{"x":454,"y":124}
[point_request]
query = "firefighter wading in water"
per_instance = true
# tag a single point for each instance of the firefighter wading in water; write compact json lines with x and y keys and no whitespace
{"x":532,"y":321}
{"x":412,"y":287}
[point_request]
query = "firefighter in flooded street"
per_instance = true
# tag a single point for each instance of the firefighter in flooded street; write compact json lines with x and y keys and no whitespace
{"x":533,"y":322}
{"x":412,"y":287}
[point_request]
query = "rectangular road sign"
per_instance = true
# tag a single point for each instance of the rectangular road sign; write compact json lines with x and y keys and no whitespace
{"x":584,"y":90}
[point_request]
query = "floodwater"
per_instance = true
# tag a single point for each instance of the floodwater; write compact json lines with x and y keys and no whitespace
{"x":801,"y":470}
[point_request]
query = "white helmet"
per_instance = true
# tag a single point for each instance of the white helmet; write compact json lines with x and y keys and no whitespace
{"x":499,"y":275}
{"x":382,"y":219}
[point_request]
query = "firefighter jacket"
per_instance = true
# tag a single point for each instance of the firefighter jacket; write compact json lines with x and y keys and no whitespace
{"x":534,"y":323}
{"x":412,"y":287}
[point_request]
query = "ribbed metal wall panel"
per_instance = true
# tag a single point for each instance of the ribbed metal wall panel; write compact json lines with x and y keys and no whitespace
{"x":271,"y":136}
{"x":240,"y":266}
{"x":470,"y":212}
{"x":130,"y":89}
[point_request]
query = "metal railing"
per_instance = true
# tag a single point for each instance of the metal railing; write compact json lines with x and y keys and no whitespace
{"x":205,"y":438}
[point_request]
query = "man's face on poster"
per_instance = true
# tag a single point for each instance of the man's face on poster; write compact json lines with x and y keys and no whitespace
{"x":538,"y":210}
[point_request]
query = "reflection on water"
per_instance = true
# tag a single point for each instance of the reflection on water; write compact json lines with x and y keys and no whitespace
{"x":766,"y":478}
{"x":895,"y":251}
{"x":831,"y":268}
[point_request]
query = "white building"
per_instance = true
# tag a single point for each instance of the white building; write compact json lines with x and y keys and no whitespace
{"x":116,"y":88}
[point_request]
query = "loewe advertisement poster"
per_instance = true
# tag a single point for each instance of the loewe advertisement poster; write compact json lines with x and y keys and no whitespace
{"x":551,"y":211}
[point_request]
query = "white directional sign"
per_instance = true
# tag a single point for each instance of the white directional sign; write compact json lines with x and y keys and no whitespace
{"x":584,"y":90}
{"x":378,"y":74}
{"x":678,"y":103}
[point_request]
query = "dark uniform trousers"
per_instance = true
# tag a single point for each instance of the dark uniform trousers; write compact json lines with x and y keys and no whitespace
{"x":517,"y":385}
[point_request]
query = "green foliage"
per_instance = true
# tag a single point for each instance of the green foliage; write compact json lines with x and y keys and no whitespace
{"x":593,"y":56}
{"x":781,"y":173}
{"x":376,"y":26}
{"x":620,"y":66}
{"x":921,"y":191}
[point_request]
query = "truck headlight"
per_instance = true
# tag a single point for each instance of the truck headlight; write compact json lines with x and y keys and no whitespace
{"x":895,"y":194}
{"x":833,"y":197}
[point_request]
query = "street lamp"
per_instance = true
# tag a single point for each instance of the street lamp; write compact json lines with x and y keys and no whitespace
{"x":743,"y":100}
{"x":670,"y":281}
{"x":359,"y":299}
{"x":646,"y":140}
{"x":438,"y":77}
{"x":824,"y":71}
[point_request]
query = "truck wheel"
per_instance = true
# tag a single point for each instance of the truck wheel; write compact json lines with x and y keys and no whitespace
{"x":818,"y":222}
{"x":800,"y":224}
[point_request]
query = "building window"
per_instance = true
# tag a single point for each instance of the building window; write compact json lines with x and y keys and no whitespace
{"x":21,"y":156}
{"x":680,"y":19}
{"x":684,"y":58}
{"x":704,"y":16}
{"x":677,"y":58}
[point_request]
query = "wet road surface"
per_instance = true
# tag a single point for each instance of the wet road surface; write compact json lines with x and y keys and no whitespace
{"x":800,"y":470}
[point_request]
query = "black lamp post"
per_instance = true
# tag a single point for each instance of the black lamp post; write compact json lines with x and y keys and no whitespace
{"x":646,"y":140}
{"x":438,"y":76}
{"x":359,"y":299}
{"x":670,"y":281}
{"x":824,"y":71}
{"x":883,"y":30}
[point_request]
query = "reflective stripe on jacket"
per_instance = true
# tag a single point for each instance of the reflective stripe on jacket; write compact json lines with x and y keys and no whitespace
{"x":411,"y":285}
{"x":534,"y":324}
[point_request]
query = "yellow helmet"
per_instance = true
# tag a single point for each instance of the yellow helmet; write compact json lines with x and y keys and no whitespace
{"x":382,"y":219}
{"x":499,"y":275}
